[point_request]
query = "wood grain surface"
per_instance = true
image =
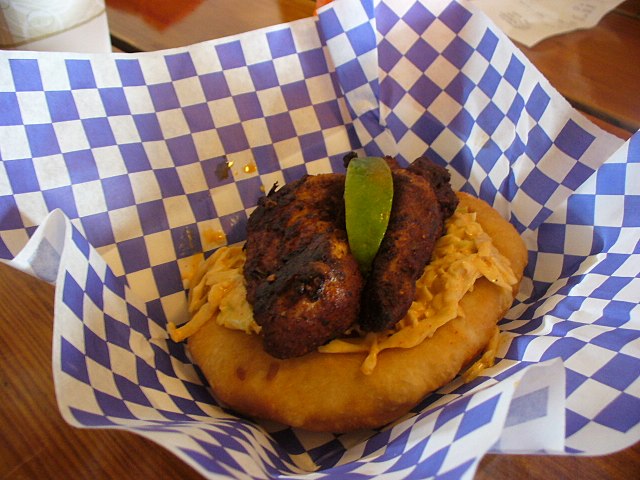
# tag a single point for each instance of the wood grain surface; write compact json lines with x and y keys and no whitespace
{"x":142,"y":25}
{"x":597,"y":70}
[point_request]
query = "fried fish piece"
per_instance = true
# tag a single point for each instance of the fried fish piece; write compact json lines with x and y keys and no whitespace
{"x":301,"y":279}
{"x":439,"y":177}
{"x":416,"y":222}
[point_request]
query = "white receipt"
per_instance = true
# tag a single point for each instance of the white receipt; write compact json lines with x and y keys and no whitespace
{"x":530,"y":21}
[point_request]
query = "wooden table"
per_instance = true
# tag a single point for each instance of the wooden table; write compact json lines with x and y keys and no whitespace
{"x":596,"y":70}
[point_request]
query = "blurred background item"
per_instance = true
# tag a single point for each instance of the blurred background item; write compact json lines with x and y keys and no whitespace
{"x":54,"y":25}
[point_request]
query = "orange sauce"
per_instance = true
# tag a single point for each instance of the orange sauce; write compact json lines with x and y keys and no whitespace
{"x":214,"y":237}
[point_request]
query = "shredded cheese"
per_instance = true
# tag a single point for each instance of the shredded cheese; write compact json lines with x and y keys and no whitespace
{"x":462,"y":255}
{"x":218,"y":291}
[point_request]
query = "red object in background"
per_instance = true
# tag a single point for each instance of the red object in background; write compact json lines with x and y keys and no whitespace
{"x":158,"y":14}
{"x":320,"y":3}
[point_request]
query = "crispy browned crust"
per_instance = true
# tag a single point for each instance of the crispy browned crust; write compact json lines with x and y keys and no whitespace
{"x":439,"y":178}
{"x":328,"y":392}
{"x":302,"y":281}
{"x":415,"y":224}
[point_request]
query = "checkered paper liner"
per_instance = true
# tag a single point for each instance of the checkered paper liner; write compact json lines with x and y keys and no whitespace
{"x":116,"y":169}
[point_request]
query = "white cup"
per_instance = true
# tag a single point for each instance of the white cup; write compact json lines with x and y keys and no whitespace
{"x":54,"y":25}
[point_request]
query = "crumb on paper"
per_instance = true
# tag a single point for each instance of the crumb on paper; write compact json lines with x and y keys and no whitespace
{"x":213,"y":238}
{"x":250,"y":168}
{"x":223,"y":170}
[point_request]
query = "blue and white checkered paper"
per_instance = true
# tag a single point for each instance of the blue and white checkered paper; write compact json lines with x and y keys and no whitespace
{"x":115,"y":170}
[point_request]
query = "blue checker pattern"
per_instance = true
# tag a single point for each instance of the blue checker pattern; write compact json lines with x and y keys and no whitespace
{"x":154,"y":147}
{"x":489,"y":104}
{"x":183,"y":143}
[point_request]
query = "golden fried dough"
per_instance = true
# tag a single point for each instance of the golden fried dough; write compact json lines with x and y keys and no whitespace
{"x":329,"y":392}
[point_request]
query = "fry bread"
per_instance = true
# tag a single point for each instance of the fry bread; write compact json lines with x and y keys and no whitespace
{"x":329,"y":392}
